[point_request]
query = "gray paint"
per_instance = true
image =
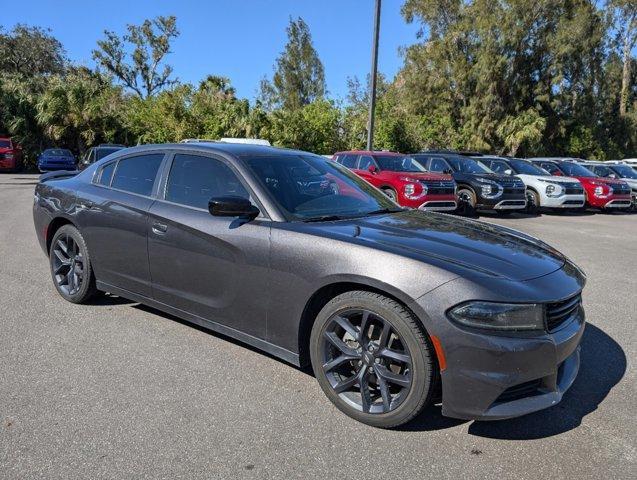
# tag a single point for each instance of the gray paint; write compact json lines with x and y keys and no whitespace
{"x":252,"y":280}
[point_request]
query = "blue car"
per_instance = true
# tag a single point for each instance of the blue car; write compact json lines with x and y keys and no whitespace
{"x":56,"y":159}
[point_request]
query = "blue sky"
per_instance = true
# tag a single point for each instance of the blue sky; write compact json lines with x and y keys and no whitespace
{"x":238,"y":39}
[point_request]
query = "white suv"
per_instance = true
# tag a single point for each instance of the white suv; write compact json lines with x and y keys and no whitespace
{"x":543,"y":190}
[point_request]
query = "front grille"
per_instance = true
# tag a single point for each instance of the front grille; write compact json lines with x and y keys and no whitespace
{"x":522,"y":390}
{"x":621,"y":189}
{"x":573,"y":188}
{"x":440,"y":187}
{"x":559,"y":313}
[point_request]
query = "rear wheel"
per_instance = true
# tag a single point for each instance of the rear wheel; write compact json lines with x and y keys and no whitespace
{"x":71,"y":265}
{"x":372,"y":359}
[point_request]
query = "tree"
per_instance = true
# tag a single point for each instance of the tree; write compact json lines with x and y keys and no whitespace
{"x":30,"y":51}
{"x":150,"y":42}
{"x":80,"y":109}
{"x":625,"y":15}
{"x":299,"y":77}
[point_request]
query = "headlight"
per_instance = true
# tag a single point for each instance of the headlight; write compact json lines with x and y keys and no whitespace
{"x":504,"y":317}
{"x":550,"y":189}
{"x":489,"y":188}
{"x":599,"y":191}
{"x":414,"y":190}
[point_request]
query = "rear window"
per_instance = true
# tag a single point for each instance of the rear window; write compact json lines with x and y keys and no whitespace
{"x":102,"y":152}
{"x":60,"y":152}
{"x":137,"y":174}
{"x":348,"y":161}
{"x":106,"y":174}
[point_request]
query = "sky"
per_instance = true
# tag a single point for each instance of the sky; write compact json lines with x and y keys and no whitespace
{"x":237,"y":39}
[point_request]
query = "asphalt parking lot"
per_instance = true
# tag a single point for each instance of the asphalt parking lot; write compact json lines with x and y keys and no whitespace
{"x":117,"y":390}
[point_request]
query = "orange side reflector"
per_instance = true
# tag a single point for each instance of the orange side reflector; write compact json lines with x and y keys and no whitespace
{"x":440,"y":353}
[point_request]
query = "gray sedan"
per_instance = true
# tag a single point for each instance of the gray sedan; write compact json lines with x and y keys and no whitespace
{"x":293,"y":254}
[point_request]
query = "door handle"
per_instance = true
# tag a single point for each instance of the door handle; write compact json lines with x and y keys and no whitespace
{"x":159,"y":228}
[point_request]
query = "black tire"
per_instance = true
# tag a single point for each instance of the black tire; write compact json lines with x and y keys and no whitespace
{"x":407,"y":339}
{"x":70,"y":264}
{"x":391,"y":193}
{"x":467,"y":201}
{"x":532,"y":202}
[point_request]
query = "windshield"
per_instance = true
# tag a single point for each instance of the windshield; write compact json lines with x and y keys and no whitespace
{"x":395,"y":163}
{"x":575,"y":170}
{"x":527,"y":168}
{"x":625,"y":171}
{"x":309,"y":187}
{"x":102,"y":152}
{"x":59,"y":152}
{"x":5,"y":143}
{"x":466,"y":165}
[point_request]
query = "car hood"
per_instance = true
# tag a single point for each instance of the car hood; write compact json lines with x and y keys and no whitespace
{"x":456,"y":244}
{"x":549,"y":178}
{"x":496,"y":177}
{"x":422,"y":175}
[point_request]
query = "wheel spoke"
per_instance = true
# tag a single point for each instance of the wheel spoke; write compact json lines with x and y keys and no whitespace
{"x":391,"y":377}
{"x":384,"y":335}
{"x":340,"y":344}
{"x":363,"y":329}
{"x":64,"y":247}
{"x":338,"y":361}
{"x":384,"y":393}
{"x":61,"y":255}
{"x":346,"y":384}
{"x":395,"y":355}
{"x":347,"y":326}
{"x":61,"y":266}
{"x":366,"y":398}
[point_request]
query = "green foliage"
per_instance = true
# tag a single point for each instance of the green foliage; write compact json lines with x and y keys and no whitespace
{"x":299,"y":78}
{"x":150,"y":43}
{"x":30,"y":51}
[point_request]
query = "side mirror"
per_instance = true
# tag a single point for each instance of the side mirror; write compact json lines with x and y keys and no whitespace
{"x":508,"y":171}
{"x":612,"y":175}
{"x":232,"y":206}
{"x":447,"y":171}
{"x":372,"y":169}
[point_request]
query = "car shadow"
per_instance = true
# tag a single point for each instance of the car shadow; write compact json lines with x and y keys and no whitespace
{"x":108,"y":299}
{"x":603,"y":364}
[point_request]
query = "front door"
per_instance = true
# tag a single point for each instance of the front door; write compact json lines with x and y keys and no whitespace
{"x":214,"y":267}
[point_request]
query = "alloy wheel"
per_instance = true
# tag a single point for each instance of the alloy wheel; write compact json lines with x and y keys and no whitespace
{"x":68,"y":265}
{"x":365,"y":361}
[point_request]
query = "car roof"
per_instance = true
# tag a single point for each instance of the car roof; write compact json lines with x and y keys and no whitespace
{"x":371,"y":152}
{"x":235,"y":149}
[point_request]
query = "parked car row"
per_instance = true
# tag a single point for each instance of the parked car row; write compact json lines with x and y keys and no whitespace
{"x":469,"y":182}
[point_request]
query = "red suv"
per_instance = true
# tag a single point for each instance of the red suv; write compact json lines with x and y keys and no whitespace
{"x":402,"y":179}
{"x":601,"y":192}
{"x":10,"y":155}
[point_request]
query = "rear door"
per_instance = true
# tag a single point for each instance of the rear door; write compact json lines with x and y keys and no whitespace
{"x":114,"y":218}
{"x":214,"y":267}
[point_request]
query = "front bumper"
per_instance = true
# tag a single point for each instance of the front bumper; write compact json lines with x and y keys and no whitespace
{"x":503,"y":202}
{"x":7,"y":163}
{"x":623,"y":202}
{"x":493,"y":377}
{"x":564,"y":201}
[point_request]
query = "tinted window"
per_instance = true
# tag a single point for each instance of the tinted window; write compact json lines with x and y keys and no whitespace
{"x":310,"y":187}
{"x":195,"y":179}
{"x":102,"y":152}
{"x":497,"y":166}
{"x":526,"y":168}
{"x":60,"y":152}
{"x":574,"y":170}
{"x":349,"y":161}
{"x":396,"y":163}
{"x":5,"y":143}
{"x":137,"y":174}
{"x":624,"y":171}
{"x":550,"y":167}
{"x":466,"y":165}
{"x":437,"y":164}
{"x":106,"y":174}
{"x":365,"y":162}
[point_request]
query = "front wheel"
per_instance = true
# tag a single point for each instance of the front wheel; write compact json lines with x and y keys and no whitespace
{"x":391,"y":193}
{"x":373,"y":359}
{"x":71,"y":265}
{"x":467,"y":201}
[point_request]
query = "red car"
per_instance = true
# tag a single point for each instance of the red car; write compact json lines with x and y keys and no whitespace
{"x":601,"y":192}
{"x":402,"y":179}
{"x":10,"y":155}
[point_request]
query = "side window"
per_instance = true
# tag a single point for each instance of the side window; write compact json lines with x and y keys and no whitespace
{"x":106,"y":174}
{"x":91,"y":155}
{"x":365,"y":162}
{"x":550,"y":167}
{"x":437,"y":164}
{"x":137,"y":174}
{"x":195,"y":179}
{"x":338,"y":158}
{"x":349,"y":161}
